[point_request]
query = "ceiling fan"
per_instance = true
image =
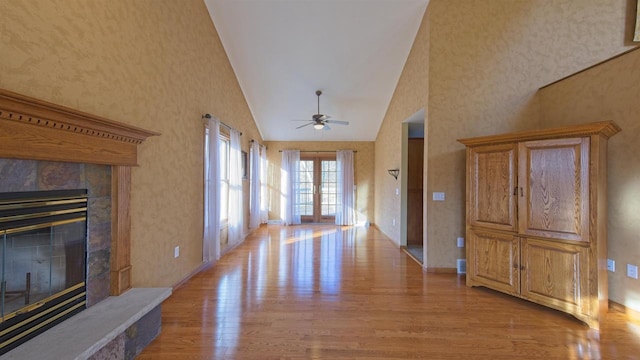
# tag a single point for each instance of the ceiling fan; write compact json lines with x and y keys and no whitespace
{"x":321,"y":121}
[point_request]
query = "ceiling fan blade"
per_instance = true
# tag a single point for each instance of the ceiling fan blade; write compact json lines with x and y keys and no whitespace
{"x":325,"y":117}
{"x":301,"y":120}
{"x":326,"y":127}
{"x":301,"y":126}
{"x":338,"y":122}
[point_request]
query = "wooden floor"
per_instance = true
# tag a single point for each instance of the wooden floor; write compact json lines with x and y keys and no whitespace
{"x":322,"y":292}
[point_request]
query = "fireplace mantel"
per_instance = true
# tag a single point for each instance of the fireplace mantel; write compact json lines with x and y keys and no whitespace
{"x":38,"y":130}
{"x":33,"y":129}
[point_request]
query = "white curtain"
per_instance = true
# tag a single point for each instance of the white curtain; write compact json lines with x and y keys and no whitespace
{"x":255,"y":198}
{"x":289,"y":187}
{"x":235,"y":188}
{"x":345,"y":212}
{"x":211,"y":236}
{"x":264,"y":201}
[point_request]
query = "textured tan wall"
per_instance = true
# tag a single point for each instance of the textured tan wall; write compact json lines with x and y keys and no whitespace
{"x":409,"y":97}
{"x":156,"y":64}
{"x":488,"y":58}
{"x":485,"y":62}
{"x":363,"y":171}
{"x":610,"y":91}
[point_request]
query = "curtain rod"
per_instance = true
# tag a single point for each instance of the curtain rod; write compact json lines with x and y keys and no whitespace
{"x":321,"y":151}
{"x":255,"y":141}
{"x":208,"y":116}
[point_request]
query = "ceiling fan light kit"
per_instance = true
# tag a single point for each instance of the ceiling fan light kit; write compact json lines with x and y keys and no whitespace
{"x":320,"y":121}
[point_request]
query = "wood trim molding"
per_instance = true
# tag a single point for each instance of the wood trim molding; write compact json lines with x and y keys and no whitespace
{"x":120,"y":229}
{"x":204,"y":266}
{"x":617,"y":307}
{"x":441,"y":270}
{"x":604,"y":128}
{"x":36,"y":129}
{"x":33,"y":129}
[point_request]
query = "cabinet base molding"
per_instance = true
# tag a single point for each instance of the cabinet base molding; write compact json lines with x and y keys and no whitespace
{"x":441,"y":270}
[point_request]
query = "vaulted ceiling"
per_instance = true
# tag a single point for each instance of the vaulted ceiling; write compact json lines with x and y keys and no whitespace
{"x":282,"y":51}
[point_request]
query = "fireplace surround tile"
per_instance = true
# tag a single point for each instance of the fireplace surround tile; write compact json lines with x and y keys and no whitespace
{"x":99,"y":235}
{"x":98,"y":263}
{"x":18,"y":175}
{"x":60,"y":175}
{"x":33,"y":175}
{"x":100,"y":209}
{"x":98,"y":289}
{"x":98,"y":180}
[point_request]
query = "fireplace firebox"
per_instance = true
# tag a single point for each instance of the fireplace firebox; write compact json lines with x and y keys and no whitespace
{"x":43,"y":255}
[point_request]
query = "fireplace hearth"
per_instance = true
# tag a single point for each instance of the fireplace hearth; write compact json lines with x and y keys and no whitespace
{"x":43,"y":256}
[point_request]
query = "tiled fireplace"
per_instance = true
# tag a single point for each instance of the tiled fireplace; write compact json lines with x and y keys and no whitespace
{"x":48,"y":147}
{"x":42,"y":258}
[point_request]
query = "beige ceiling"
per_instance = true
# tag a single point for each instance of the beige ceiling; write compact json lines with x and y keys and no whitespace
{"x":283,"y":51}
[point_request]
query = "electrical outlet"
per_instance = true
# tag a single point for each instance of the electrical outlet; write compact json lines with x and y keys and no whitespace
{"x":397,"y":191}
{"x":632,"y":271}
{"x":460,"y":242}
{"x":176,"y":251}
{"x":393,"y":222}
{"x":611,"y":265}
{"x":461,"y":266}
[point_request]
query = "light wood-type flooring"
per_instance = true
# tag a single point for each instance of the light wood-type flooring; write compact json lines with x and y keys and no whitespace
{"x":326,"y":292}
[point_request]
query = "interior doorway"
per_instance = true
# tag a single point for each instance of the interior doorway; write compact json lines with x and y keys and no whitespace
{"x":413,"y":230}
{"x":415,"y":197}
{"x":318,"y":179}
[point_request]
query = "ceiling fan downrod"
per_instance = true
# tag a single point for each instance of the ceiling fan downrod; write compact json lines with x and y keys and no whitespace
{"x":318,"y":93}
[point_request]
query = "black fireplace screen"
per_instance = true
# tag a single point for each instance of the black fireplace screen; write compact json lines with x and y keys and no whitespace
{"x":42,"y":261}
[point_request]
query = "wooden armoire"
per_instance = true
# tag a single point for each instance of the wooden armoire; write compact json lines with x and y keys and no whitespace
{"x":536,"y":216}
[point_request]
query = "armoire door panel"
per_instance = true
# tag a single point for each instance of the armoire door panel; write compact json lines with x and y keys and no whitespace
{"x":553,"y":274}
{"x":492,"y":202}
{"x":554,"y":180}
{"x":494,"y":261}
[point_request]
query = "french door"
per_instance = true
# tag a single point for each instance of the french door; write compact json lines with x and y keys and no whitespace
{"x":318,"y":188}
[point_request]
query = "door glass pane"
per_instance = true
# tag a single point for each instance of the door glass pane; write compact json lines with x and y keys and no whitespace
{"x":305,"y":178}
{"x":329,"y":187}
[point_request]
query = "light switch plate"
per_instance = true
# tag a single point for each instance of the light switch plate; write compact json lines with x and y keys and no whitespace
{"x":438,"y":196}
{"x":460,"y":242}
{"x":611,"y":265}
{"x":632,"y":271}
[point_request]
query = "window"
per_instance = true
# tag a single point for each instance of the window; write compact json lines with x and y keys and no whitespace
{"x":224,"y":174}
{"x":224,"y":180}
